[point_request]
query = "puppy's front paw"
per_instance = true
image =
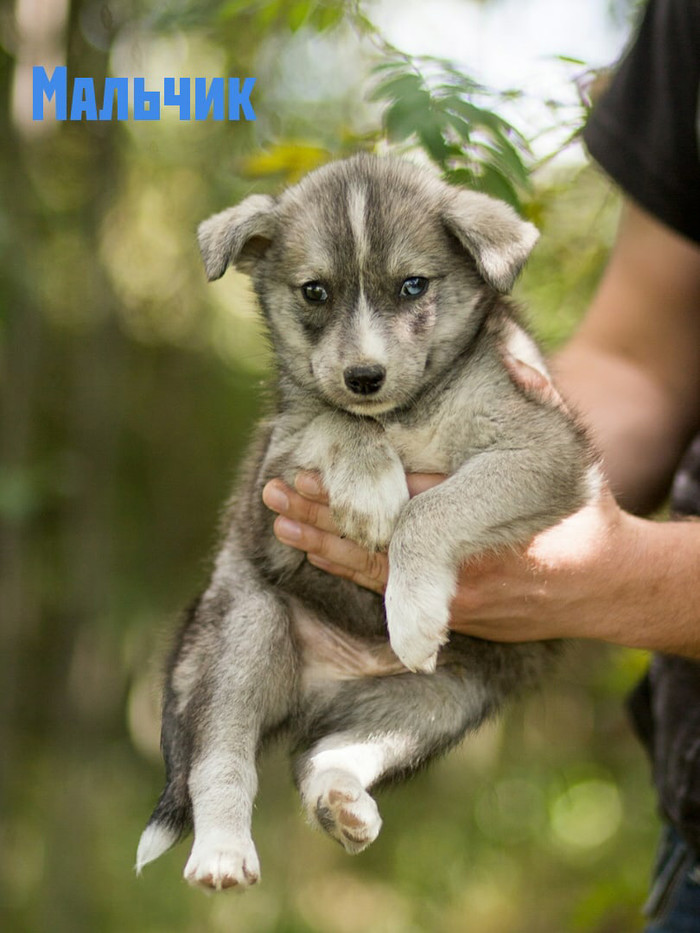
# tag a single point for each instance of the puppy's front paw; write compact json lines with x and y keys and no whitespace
{"x":418,"y":613}
{"x":338,"y":803}
{"x":367,"y":511}
{"x":218,"y":862}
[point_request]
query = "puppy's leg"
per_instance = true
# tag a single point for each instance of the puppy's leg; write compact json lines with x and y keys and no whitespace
{"x":372,"y":730}
{"x":362,"y":472}
{"x":249,"y":691}
{"x":232,"y":680}
{"x":497,"y":499}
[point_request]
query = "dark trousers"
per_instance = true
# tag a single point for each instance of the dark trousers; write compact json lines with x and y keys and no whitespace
{"x":674,"y":901}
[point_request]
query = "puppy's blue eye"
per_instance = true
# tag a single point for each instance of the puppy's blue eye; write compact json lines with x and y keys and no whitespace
{"x":315,"y":292}
{"x":414,"y":287}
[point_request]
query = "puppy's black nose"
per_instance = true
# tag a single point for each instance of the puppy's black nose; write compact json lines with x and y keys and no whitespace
{"x":365,"y":380}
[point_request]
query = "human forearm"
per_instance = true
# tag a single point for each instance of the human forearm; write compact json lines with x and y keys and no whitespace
{"x":603,"y":574}
{"x":663,"y":612}
{"x":635,"y":423}
{"x":633,"y":368}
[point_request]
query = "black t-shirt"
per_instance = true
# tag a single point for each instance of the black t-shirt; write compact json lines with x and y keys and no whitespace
{"x":644,"y":133}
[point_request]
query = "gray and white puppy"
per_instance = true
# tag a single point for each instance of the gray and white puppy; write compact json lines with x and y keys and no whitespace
{"x":382,"y":291}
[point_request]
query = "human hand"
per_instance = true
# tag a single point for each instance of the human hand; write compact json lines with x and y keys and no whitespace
{"x":566,"y":582}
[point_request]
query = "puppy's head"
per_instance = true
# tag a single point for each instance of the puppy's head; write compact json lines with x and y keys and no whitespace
{"x":369,"y":272}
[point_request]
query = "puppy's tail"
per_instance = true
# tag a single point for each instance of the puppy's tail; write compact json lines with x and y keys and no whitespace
{"x":169,"y":822}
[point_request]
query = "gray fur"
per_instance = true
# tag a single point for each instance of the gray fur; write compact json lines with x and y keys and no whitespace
{"x":275,"y":643}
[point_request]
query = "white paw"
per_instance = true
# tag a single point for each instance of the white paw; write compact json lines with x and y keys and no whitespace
{"x":338,"y":803}
{"x":418,"y":614}
{"x":218,"y":862}
{"x":368,"y":511}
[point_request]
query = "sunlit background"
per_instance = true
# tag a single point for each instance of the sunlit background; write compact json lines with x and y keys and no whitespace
{"x":129,"y":388}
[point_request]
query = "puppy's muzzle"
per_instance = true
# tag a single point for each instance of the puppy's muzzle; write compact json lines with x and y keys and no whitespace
{"x":365,"y":380}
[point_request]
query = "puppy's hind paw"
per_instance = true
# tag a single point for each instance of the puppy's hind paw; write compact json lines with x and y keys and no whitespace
{"x":220,"y":864}
{"x":345,"y":810}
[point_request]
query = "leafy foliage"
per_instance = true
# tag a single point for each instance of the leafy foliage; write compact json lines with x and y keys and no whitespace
{"x":264,"y":14}
{"x":434,"y":104}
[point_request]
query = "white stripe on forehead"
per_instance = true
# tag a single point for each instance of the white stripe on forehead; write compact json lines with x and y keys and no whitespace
{"x":357,"y":202}
{"x":368,"y":336}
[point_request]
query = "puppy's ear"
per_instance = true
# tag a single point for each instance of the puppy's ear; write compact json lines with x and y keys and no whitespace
{"x":493,"y":234}
{"x":238,"y":236}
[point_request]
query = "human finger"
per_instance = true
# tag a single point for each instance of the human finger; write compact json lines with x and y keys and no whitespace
{"x":421,"y":482}
{"x":284,"y":500}
{"x":308,"y":483}
{"x":333,"y":549}
{"x":372,"y":577}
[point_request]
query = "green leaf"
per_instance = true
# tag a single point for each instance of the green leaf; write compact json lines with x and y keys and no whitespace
{"x":327,"y":16}
{"x":463,"y":177}
{"x":299,"y":13}
{"x":432,"y":140}
{"x":457,"y":153}
{"x":478,"y":116}
{"x":394,"y":64}
{"x":406,"y":116}
{"x":570,"y":60}
{"x":460,"y":126}
{"x":491,"y":181}
{"x":455,"y":77}
{"x":506,"y":159}
{"x":397,"y":87}
{"x":234,"y":8}
{"x":465,"y":82}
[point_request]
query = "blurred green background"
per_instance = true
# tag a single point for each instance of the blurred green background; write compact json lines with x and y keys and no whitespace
{"x":129,"y":388}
